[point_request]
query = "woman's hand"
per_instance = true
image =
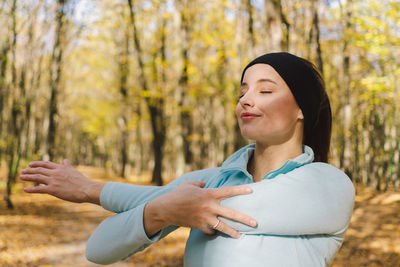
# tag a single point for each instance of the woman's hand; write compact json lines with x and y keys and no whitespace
{"x":62,"y":181}
{"x":192,"y":206}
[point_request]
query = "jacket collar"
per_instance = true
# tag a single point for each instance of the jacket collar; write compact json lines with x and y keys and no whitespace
{"x":238,"y":161}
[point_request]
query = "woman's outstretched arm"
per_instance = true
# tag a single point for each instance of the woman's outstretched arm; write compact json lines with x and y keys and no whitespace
{"x":178,"y":203}
{"x":189,"y":205}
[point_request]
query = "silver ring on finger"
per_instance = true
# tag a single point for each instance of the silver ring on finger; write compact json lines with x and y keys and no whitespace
{"x":216,"y":225}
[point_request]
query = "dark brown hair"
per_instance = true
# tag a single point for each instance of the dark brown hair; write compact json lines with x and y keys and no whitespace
{"x":318,"y":135}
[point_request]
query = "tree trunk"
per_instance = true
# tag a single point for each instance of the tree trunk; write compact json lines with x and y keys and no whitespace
{"x":55,"y":77}
{"x":286,"y":33}
{"x":356,"y":153}
{"x":159,"y":124}
{"x":250,"y":28}
{"x":154,"y":105}
{"x":184,"y":103}
{"x":34,"y":76}
{"x":126,"y":111}
{"x":3,"y":88}
{"x":273,"y":25}
{"x":314,"y":36}
{"x":13,"y":140}
{"x":346,"y":99}
{"x":140,"y":160}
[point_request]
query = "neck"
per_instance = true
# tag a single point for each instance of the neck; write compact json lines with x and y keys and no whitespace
{"x":270,"y":157}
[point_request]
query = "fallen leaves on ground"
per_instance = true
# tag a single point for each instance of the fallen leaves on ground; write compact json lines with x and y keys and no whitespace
{"x":373,"y":238}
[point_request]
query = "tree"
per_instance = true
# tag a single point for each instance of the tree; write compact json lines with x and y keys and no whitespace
{"x":56,"y":70}
{"x":273,"y":25}
{"x":184,"y":101}
{"x":123,"y":120}
{"x":155,"y":105}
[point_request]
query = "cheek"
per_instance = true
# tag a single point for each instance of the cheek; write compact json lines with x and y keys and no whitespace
{"x":238,"y":110}
{"x":282,"y":108}
{"x":291,"y":110}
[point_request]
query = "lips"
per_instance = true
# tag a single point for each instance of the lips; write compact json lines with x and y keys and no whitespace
{"x":248,"y":116}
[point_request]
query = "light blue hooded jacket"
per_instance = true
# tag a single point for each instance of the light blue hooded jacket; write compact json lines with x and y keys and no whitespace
{"x":303,"y":210}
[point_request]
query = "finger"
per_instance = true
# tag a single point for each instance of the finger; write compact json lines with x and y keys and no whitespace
{"x":36,"y":189}
{"x":230,"y":191}
{"x":38,"y":178}
{"x":208,"y":230}
{"x":196,"y":183}
{"x":44,"y":164}
{"x":37,"y":170}
{"x":226,"y":229}
{"x":236,"y":216}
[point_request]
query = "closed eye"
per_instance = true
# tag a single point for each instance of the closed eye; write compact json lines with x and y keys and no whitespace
{"x":265,"y":92}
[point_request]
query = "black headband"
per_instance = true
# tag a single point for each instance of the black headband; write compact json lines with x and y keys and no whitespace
{"x":300,"y":78}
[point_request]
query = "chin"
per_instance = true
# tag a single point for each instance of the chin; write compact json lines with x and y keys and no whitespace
{"x":248,"y":135}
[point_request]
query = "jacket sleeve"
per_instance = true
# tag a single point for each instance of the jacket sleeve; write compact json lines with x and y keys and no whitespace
{"x":122,"y":235}
{"x":314,"y":199}
{"x":120,"y":197}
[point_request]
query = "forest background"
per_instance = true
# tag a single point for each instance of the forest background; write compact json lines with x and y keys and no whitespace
{"x":146,"y":90}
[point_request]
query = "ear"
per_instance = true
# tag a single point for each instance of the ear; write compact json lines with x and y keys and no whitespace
{"x":300,"y":115}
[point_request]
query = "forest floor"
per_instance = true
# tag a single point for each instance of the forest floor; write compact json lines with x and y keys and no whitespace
{"x":45,"y":231}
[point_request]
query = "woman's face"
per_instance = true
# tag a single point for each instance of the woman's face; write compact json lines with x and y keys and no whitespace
{"x":267,"y":111}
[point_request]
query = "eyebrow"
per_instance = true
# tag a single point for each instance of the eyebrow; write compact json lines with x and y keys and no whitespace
{"x":261,"y":80}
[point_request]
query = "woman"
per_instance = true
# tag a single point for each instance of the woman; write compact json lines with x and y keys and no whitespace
{"x":291,"y":212}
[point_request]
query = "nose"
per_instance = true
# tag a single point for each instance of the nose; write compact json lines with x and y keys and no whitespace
{"x":247,"y":99}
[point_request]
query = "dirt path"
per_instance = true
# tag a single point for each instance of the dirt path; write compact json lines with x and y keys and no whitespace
{"x":44,"y":231}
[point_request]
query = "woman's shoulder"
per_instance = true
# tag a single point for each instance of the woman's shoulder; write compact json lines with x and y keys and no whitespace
{"x":324,"y":176}
{"x":322,"y":170}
